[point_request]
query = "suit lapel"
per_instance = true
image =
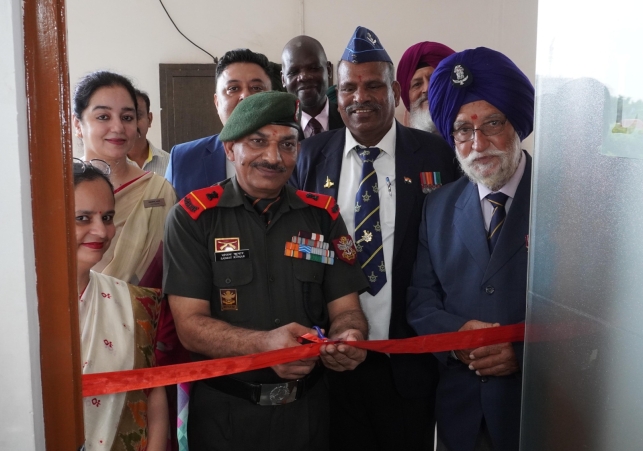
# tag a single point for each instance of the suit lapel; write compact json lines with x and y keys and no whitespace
{"x":330,"y":166}
{"x":405,"y":194}
{"x":334,"y":118}
{"x":516,"y":226}
{"x":469,"y":223}
{"x":214,"y":163}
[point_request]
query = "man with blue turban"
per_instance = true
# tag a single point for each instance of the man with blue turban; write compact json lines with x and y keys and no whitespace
{"x":380,"y":172}
{"x":471,"y":267}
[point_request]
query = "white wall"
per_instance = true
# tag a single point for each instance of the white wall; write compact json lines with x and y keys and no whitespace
{"x":133,"y":37}
{"x":21,"y":416}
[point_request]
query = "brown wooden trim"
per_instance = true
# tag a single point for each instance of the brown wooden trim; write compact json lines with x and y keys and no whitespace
{"x":167,"y":72}
{"x":50,"y":150}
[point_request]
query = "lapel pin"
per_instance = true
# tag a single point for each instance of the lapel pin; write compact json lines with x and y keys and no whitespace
{"x":407,"y":180}
{"x":328,"y":183}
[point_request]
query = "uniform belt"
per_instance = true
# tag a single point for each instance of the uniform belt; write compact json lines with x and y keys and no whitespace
{"x":267,"y":394}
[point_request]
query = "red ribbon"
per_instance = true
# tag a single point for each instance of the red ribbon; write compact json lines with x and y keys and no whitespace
{"x":120,"y":381}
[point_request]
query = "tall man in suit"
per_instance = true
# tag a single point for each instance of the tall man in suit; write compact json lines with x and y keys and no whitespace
{"x":196,"y":164}
{"x":304,"y":73}
{"x":379,"y":171}
{"x":471,"y":269}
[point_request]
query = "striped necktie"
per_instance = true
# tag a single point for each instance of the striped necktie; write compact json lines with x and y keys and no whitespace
{"x":498,"y":201}
{"x":368,"y":231}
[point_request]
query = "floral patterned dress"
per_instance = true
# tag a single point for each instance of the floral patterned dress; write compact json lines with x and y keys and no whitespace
{"x":118,"y":331}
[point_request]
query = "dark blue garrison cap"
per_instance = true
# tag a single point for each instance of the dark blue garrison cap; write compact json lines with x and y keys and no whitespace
{"x":365,"y":47}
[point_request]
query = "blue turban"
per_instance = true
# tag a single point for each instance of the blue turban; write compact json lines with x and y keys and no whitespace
{"x":480,"y":74}
{"x":365,"y":47}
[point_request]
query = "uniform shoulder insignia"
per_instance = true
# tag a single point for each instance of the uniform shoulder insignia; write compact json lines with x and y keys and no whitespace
{"x":320,"y":201}
{"x":200,"y":200}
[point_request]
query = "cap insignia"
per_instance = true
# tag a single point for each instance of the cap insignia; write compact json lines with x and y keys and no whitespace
{"x":461,"y":76}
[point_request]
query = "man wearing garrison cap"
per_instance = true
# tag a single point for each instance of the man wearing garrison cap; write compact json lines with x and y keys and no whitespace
{"x":414,"y":72}
{"x":471,"y":269}
{"x":251,"y":265}
{"x":380,"y":172}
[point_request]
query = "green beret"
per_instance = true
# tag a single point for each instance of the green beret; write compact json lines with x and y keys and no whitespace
{"x":258,"y":110}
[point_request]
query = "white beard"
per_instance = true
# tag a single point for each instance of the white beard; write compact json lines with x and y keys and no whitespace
{"x":484,"y":174}
{"x":420,"y":118}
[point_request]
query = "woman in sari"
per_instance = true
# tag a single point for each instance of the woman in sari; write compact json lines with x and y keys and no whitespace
{"x":117,"y":326}
{"x":105,"y":120}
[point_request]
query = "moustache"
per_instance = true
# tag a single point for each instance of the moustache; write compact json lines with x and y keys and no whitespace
{"x":359,"y":106}
{"x":270,"y":167}
{"x":419,"y":102}
{"x":473,"y":156}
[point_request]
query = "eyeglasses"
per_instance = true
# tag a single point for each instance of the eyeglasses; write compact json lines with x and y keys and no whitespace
{"x":101,"y":166}
{"x":491,"y":128}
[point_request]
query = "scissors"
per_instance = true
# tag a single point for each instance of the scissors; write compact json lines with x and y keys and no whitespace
{"x":320,"y":334}
{"x":310,"y":338}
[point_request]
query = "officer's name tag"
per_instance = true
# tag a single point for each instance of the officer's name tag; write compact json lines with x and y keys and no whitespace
{"x":150,"y":203}
{"x":233,"y":255}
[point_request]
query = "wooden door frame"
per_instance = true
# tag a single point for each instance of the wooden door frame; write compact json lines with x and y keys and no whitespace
{"x":166,"y":85}
{"x":50,"y":155}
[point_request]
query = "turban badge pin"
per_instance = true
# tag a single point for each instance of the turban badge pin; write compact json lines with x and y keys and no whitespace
{"x":461,"y":76}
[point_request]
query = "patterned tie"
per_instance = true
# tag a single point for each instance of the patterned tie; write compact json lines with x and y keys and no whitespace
{"x":368,"y":232}
{"x":313,"y":128}
{"x":498,"y":201}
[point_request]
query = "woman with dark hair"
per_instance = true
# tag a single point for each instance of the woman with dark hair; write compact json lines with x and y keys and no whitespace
{"x":104,"y":107}
{"x":117,"y":325}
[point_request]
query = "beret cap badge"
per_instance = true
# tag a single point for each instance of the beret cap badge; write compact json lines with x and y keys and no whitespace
{"x":461,"y":76}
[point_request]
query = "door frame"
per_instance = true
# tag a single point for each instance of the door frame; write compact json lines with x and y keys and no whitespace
{"x":50,"y":155}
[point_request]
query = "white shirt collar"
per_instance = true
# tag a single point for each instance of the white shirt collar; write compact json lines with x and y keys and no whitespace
{"x":511,"y":186}
{"x":387,"y":143}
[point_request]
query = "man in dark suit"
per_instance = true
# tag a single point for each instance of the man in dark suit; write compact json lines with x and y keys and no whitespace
{"x":377,"y":168}
{"x":304,"y":73}
{"x":200,"y":163}
{"x":471,"y":269}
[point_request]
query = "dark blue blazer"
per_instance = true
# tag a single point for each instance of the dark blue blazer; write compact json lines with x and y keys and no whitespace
{"x":416,"y":151}
{"x":456,"y":280}
{"x":196,"y":164}
{"x":334,"y":118}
